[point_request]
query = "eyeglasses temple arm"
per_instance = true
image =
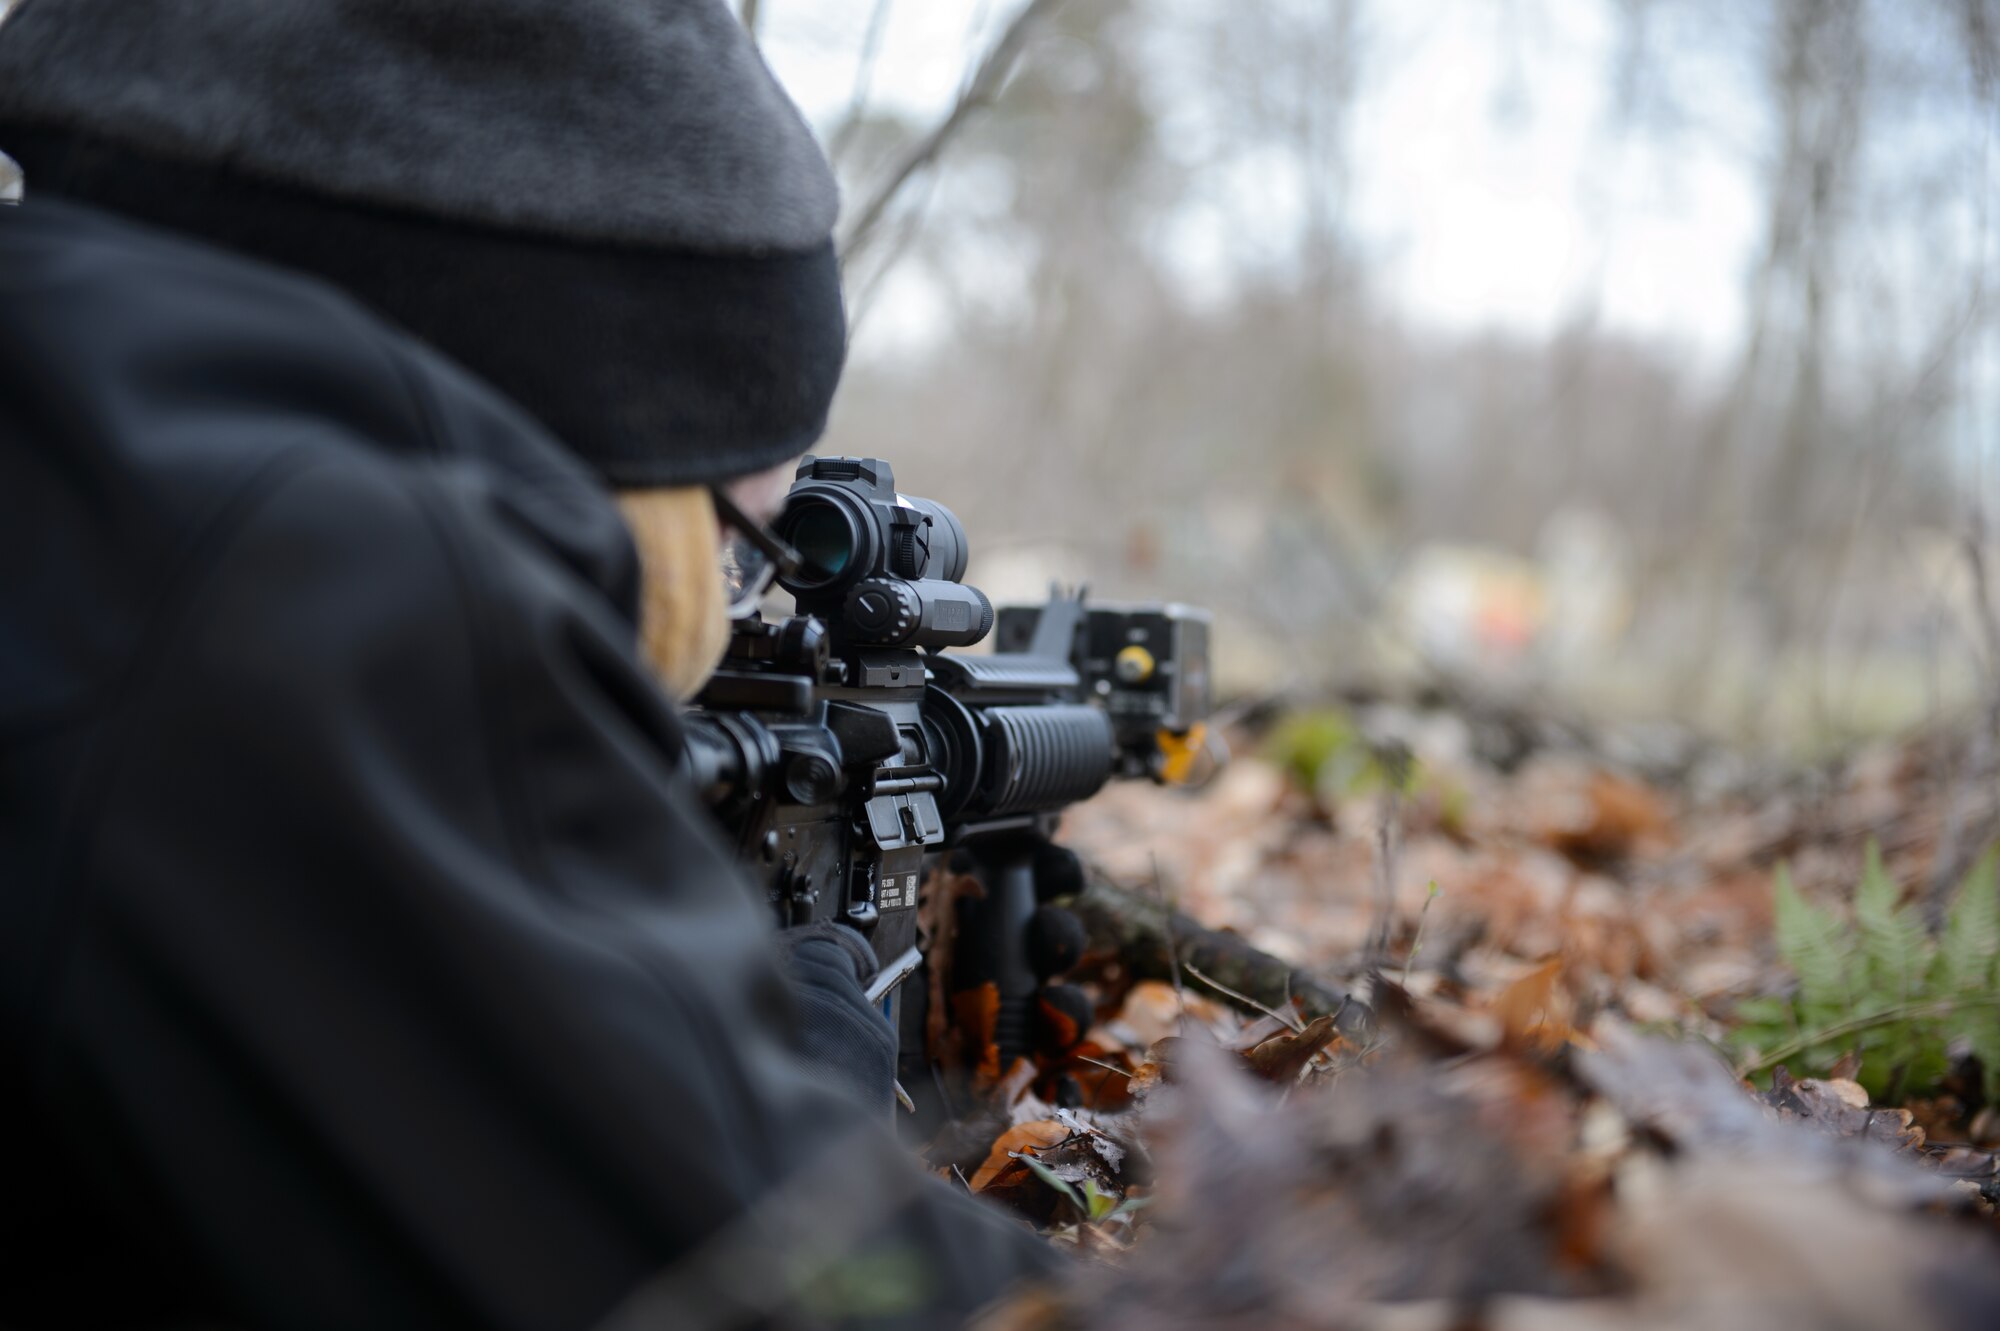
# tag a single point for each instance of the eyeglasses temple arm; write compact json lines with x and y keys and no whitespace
{"x":759,"y":535}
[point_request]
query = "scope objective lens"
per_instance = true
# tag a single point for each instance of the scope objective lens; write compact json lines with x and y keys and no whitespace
{"x":824,"y":537}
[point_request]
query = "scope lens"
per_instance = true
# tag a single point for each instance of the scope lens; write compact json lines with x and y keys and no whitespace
{"x":824,"y":538}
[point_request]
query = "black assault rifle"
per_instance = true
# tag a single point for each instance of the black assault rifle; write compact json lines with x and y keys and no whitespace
{"x":847,"y":752}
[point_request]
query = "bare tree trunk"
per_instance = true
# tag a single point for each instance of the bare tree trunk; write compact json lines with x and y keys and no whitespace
{"x":1760,"y":511}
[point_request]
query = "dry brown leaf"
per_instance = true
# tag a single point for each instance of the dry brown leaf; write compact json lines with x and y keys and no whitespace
{"x":1841,"y":1108}
{"x":976,"y":1013}
{"x":1103,"y":1075}
{"x":1152,"y":1010}
{"x":937,"y":929}
{"x":1282,"y":1057}
{"x":1582,"y":1215}
{"x":1526,"y":1008}
{"x":1039,"y":1134}
{"x":1593,"y":814}
{"x":1058,"y":1030}
{"x":1257,"y":1032}
{"x":1628,"y":813}
{"x":1010,"y":1088}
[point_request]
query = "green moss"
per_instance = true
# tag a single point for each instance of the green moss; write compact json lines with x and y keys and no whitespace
{"x":1324,"y":754}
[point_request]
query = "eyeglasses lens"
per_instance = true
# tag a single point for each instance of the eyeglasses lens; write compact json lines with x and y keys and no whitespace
{"x":746,"y":573}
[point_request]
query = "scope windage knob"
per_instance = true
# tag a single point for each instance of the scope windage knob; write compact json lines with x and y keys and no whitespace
{"x":882,"y":610}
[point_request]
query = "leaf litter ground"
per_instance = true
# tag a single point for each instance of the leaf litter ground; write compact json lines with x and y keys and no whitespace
{"x":1538,"y":1118}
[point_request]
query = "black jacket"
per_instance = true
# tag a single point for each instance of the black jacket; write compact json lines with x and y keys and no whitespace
{"x":364,"y":962}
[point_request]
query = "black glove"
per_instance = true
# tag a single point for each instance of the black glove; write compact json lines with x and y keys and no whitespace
{"x":847,"y":941}
{"x":840,"y":1032}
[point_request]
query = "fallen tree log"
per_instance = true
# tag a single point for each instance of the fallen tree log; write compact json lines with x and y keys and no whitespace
{"x":1149,"y":936}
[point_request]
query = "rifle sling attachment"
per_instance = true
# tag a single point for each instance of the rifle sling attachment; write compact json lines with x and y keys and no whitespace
{"x":894,"y":974}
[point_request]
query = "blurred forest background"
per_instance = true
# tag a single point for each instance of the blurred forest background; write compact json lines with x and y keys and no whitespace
{"x":1633,"y":357}
{"x":1637,"y":356}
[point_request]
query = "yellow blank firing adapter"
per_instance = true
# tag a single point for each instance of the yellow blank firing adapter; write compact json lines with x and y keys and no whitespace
{"x":1182,"y":755}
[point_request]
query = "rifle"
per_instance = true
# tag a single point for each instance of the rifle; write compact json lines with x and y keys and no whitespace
{"x":848,"y":753}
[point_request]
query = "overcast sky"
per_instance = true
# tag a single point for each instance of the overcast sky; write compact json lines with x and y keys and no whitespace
{"x":1488,"y":190}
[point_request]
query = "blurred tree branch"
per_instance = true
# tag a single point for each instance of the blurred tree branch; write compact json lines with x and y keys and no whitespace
{"x":1979,"y":24}
{"x":864,"y":73}
{"x":978,"y":92}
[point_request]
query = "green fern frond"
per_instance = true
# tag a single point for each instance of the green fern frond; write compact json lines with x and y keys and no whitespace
{"x":1896,"y":958}
{"x":1821,"y":951}
{"x":1968,"y":958}
{"x":1894,"y":944}
{"x":1883,"y":986}
{"x":1979,"y":1027}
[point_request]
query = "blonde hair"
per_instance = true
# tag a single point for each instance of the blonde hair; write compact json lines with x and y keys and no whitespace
{"x":684,"y":608}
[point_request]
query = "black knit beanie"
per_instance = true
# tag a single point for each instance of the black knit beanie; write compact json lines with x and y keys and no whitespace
{"x":606,"y":208}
